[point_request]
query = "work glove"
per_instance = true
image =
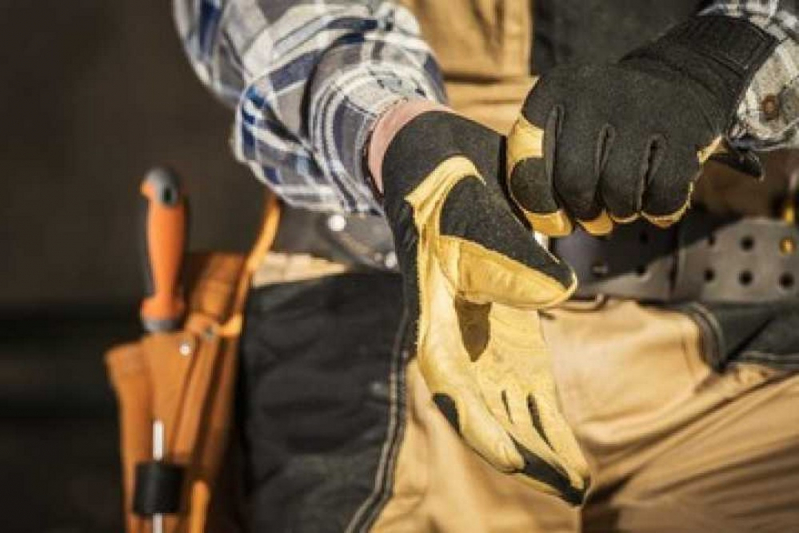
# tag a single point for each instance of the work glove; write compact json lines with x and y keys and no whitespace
{"x":599,"y":144}
{"x":474,"y":280}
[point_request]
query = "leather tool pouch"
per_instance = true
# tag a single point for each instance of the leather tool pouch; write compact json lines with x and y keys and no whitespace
{"x":185,"y":379}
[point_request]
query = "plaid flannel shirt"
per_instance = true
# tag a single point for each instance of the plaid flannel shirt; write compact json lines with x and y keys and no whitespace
{"x":308,"y":79}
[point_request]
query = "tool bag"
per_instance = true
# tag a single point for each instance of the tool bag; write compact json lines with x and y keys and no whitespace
{"x":185,"y":380}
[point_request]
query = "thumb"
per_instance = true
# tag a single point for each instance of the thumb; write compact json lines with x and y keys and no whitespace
{"x":529,"y":175}
{"x":489,"y":256}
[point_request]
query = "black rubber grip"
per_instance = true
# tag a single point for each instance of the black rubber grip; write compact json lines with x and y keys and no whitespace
{"x":158,"y":488}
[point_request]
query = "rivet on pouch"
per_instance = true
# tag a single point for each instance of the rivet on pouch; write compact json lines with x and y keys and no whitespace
{"x":186,"y":348}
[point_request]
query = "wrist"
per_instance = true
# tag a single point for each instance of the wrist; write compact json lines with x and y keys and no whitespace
{"x":386,"y":127}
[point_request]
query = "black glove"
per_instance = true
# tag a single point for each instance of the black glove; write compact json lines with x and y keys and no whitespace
{"x":474,"y":279}
{"x":608,"y":143}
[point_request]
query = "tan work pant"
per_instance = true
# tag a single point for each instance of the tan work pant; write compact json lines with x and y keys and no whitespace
{"x":673,"y":446}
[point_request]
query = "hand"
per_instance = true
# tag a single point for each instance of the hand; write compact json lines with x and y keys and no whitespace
{"x":474,"y":278}
{"x":599,"y":144}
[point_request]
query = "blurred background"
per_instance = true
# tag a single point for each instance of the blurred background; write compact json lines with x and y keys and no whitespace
{"x":93,"y":93}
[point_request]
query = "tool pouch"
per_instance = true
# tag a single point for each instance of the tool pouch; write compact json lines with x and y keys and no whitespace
{"x":185,"y":379}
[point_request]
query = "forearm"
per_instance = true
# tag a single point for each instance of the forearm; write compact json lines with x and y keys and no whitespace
{"x":308,"y":81}
{"x":768,"y":115}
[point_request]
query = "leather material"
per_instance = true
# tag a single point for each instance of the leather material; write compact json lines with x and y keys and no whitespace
{"x":440,"y":485}
{"x":704,"y":258}
{"x":129,"y":375}
{"x":185,"y":379}
{"x":474,"y":279}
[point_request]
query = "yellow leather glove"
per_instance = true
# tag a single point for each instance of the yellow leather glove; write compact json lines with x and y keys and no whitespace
{"x":474,"y":280}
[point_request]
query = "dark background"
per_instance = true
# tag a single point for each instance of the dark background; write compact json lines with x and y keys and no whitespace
{"x":92,"y":94}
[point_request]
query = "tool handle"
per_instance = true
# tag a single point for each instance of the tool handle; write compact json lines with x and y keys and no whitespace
{"x":164,"y":243}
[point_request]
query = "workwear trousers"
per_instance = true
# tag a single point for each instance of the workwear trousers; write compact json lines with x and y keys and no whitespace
{"x":341,"y":435}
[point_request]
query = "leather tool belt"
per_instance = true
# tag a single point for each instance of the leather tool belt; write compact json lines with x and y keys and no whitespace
{"x":357,"y":241}
{"x":702,"y":258}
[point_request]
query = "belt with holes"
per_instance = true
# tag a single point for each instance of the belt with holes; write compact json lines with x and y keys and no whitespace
{"x":352,"y":240}
{"x":702,"y":258}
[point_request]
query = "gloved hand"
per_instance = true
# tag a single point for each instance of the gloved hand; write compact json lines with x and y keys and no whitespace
{"x":474,"y":278}
{"x":606,"y":143}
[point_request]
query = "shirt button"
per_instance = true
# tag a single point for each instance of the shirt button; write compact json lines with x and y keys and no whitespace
{"x":771,"y":107}
{"x":336,"y":223}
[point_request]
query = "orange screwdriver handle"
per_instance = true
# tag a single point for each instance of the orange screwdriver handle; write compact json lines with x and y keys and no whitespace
{"x":164,"y":247}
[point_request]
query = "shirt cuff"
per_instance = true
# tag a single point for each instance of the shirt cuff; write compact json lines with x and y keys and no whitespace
{"x":768,"y":115}
{"x":343,"y":114}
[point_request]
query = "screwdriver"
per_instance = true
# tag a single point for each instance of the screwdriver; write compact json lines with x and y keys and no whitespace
{"x":158,"y":455}
{"x":164,"y":241}
{"x":163,"y":246}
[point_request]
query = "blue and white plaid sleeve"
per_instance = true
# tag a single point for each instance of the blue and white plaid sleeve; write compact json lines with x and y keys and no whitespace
{"x":307,"y":80}
{"x":768,"y":116}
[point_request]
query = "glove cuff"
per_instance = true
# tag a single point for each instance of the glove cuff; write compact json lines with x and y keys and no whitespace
{"x":720,"y":53}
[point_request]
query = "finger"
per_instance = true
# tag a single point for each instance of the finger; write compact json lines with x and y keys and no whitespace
{"x":530,"y":182}
{"x":540,"y":460}
{"x":623,"y":177}
{"x":445,"y":368}
{"x":548,"y":446}
{"x":547,"y":470}
{"x":546,"y":417}
{"x":527,"y":429}
{"x":469,"y":416}
{"x":541,"y":428}
{"x":533,"y":404}
{"x":580,"y":155}
{"x":542,"y":463}
{"x":549,"y":478}
{"x":601,"y":225}
{"x":489,"y":256}
{"x":668,"y":194}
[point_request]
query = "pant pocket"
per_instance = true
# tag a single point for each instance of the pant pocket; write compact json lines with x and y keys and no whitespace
{"x":313,"y":398}
{"x":623,"y":365}
{"x":633,"y":380}
{"x":761,"y":333}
